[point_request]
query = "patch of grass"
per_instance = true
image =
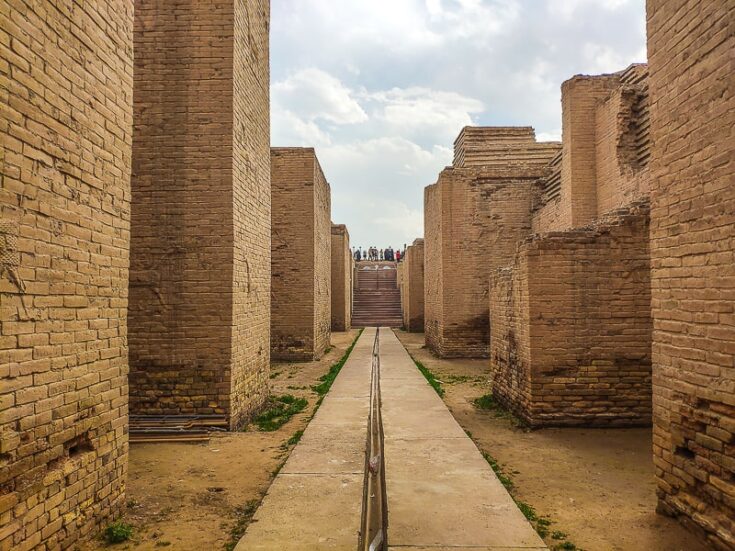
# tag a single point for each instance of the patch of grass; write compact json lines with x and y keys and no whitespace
{"x":275,"y":374}
{"x":558,"y":535}
{"x":455,"y":379}
{"x":329,"y":349}
{"x":118,"y":532}
{"x":293,"y":440}
{"x":291,"y":387}
{"x":566,"y":546}
{"x":243,"y":516}
{"x":328,"y":378}
{"x":278,"y":411}
{"x":487,"y":402}
{"x":429,"y":376}
{"x":505,"y":479}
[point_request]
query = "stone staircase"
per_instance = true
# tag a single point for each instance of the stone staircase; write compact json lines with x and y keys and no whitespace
{"x":377,"y":299}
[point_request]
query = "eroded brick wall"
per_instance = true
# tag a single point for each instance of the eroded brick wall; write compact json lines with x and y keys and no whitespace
{"x":200,"y":251}
{"x":412,"y":293}
{"x":301,"y":256}
{"x":66,"y":84}
{"x":571,"y":326}
{"x":691,"y":45}
{"x":341,"y":278}
{"x":479,"y":215}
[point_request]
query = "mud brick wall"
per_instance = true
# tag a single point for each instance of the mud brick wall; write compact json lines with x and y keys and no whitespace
{"x":412,"y":290}
{"x":341,"y":278}
{"x":474,"y":219}
{"x":690,"y":45}
{"x":66,"y":92}
{"x":200,"y":254}
{"x":604,"y":155}
{"x":571,"y":326}
{"x":301,"y":256}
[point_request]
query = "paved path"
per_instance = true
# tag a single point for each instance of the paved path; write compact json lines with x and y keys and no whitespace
{"x":315,"y":502}
{"x":442,"y":494}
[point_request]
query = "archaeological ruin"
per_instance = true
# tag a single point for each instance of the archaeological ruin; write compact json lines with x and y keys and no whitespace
{"x":301,"y":248}
{"x":166,"y":275}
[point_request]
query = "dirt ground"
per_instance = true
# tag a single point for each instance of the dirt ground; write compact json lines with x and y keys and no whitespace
{"x":189,"y":497}
{"x":596,"y":485}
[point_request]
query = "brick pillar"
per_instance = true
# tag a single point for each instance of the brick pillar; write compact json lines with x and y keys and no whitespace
{"x":691,"y":49}
{"x":580,"y":97}
{"x":301,"y":262}
{"x":414,"y":287}
{"x":66,"y":83}
{"x":200,"y":255}
{"x":341,"y":278}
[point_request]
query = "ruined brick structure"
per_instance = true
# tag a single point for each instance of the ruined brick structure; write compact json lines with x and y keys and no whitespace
{"x":301,"y":255}
{"x":200,"y":234}
{"x":342,"y":270}
{"x":66,"y":86}
{"x":570,"y":317}
{"x":571,"y":326}
{"x":411,"y":283}
{"x":693,"y":265}
{"x":474,"y":216}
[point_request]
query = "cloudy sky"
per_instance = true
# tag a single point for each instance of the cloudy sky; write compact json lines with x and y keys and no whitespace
{"x":382,"y":87}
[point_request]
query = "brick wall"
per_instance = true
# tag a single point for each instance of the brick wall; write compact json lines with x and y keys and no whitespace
{"x":200,"y":261}
{"x":66,"y":82}
{"x":478,"y":215}
{"x":571,"y":326}
{"x":301,"y":255}
{"x":412,"y":290}
{"x":690,"y":45}
{"x":341,"y":278}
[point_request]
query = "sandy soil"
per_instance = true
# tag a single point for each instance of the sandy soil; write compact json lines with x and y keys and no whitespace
{"x":188,"y":496}
{"x":596,"y":485}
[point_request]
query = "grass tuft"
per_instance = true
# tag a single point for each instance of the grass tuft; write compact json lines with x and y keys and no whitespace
{"x":278,"y":411}
{"x":429,"y":376}
{"x":243,"y":516}
{"x":328,"y":378}
{"x":118,"y":532}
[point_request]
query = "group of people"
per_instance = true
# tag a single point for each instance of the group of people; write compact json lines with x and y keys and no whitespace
{"x":373,"y":253}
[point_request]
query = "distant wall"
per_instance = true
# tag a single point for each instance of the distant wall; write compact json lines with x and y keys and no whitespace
{"x":693,"y":281}
{"x":341,"y":278}
{"x":301,"y":256}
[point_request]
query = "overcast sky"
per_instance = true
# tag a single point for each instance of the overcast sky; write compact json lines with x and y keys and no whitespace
{"x":381,"y":88}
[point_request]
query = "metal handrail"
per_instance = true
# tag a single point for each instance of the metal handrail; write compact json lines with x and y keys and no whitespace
{"x":373,"y":533}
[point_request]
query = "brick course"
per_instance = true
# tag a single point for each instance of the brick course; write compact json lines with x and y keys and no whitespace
{"x":66,"y":83}
{"x":301,"y":256}
{"x":691,"y":47}
{"x":341,"y":278}
{"x":200,"y":250}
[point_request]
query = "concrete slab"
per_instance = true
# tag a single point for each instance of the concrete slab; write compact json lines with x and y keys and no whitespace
{"x":442,"y":494}
{"x":315,"y":502}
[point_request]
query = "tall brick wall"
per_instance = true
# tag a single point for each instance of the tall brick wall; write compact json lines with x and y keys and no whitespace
{"x":301,"y":255}
{"x":481,"y":214}
{"x":690,"y":45}
{"x":603,"y":165}
{"x":200,"y":252}
{"x":571,"y":326}
{"x":412,"y":287}
{"x":341,"y":278}
{"x":66,"y":83}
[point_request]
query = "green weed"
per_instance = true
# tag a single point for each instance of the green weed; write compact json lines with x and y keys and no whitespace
{"x":328,"y":378}
{"x":118,"y":532}
{"x":278,"y":411}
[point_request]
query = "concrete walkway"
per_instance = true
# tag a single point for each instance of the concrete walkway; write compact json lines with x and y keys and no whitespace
{"x":315,"y":502}
{"x":441,"y":493}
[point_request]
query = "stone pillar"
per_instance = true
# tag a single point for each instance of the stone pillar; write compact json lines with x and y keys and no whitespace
{"x":341,"y":278}
{"x":200,"y":255}
{"x":301,"y":263}
{"x":66,"y":93}
{"x":693,"y":268}
{"x":413,"y":303}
